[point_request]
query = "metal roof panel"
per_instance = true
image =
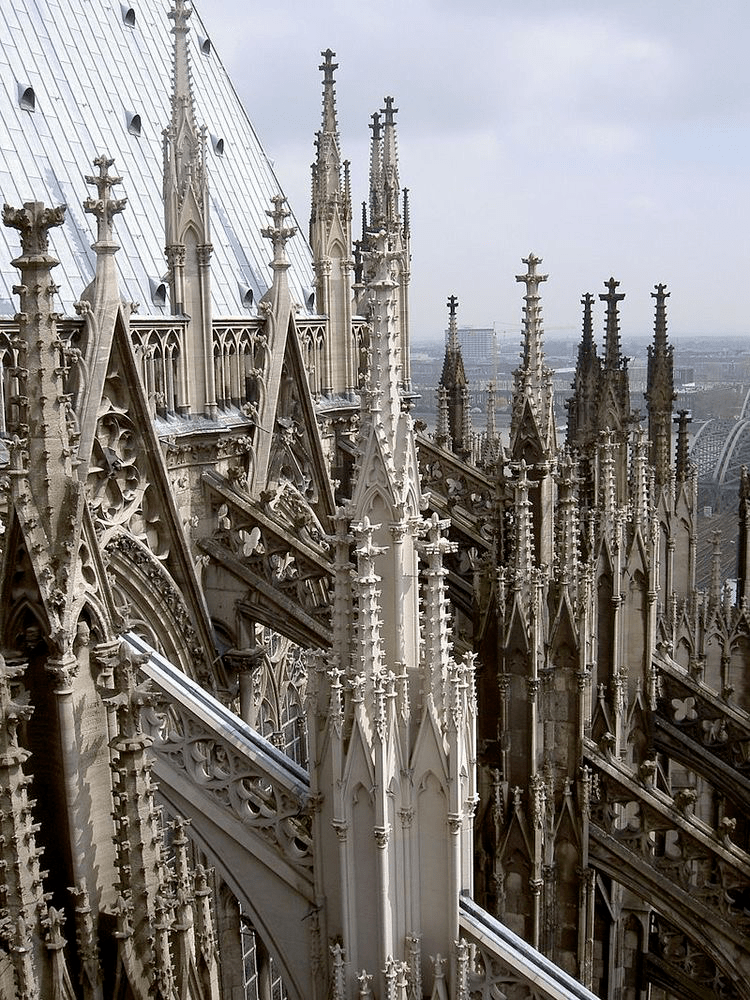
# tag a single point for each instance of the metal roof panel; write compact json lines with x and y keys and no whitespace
{"x":89,"y":71}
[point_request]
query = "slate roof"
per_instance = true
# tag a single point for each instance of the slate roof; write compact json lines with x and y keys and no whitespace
{"x":90,"y":72}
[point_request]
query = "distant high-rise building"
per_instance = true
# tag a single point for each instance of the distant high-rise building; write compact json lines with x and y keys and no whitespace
{"x":478,"y":346}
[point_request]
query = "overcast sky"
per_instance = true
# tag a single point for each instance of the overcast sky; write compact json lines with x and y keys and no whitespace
{"x":611,"y":138}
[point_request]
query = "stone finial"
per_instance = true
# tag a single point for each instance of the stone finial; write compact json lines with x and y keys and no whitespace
{"x":180,"y":14}
{"x":328,"y":66}
{"x":279,"y":234}
{"x":34,"y":222}
{"x":104,"y":207}
{"x":327,"y":166}
{"x":531,"y":279}
{"x":612,"y":297}
{"x":388,"y":111}
{"x":531,"y":377}
{"x":587,"y":342}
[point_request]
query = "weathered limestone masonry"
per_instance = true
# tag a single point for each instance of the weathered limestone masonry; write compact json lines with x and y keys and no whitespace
{"x":219,"y":520}
{"x":612,"y":696}
{"x":392,"y":714}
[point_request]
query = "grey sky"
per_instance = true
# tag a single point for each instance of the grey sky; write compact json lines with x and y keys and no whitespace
{"x":609,"y":138}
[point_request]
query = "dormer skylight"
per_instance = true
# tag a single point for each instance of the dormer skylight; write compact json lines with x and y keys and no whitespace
{"x":205,"y":44}
{"x":248,"y":298}
{"x":218,"y":145}
{"x":26,"y":97}
{"x":158,"y":292}
{"x":128,"y":16}
{"x":134,"y":123}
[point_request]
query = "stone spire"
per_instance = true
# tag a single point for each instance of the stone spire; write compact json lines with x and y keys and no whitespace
{"x":532,"y":431}
{"x":383,"y":383}
{"x":384,"y":205}
{"x":442,"y":424}
{"x":660,"y":393}
{"x":613,"y":410}
{"x":376,"y":202}
{"x":523,"y":549}
{"x":582,"y":405}
{"x":453,"y":380}
{"x":614,"y":392}
{"x":100,"y":306}
{"x":187,"y":224}
{"x":391,"y":712}
{"x":331,"y":243}
{"x":185,"y":176}
{"x":46,"y":494}
{"x":328,"y":193}
{"x":276,"y":307}
{"x":568,"y":522}
{"x":640,"y":480}
{"x":436,"y":650}
{"x":612,"y":352}
{"x":491,"y":444}
{"x":391,"y":189}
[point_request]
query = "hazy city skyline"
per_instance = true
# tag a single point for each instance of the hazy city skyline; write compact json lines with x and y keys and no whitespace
{"x":608,"y":139}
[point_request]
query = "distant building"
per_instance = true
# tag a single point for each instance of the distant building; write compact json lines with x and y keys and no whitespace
{"x":478,"y":346}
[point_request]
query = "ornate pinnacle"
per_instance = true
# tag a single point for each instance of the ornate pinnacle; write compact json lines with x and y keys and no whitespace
{"x":660,"y":320}
{"x":453,"y":344}
{"x":588,"y":329}
{"x":612,"y":337}
{"x":532,"y":332}
{"x":104,"y":207}
{"x":34,"y":222}
{"x":329,"y":93}
{"x":182,"y":95}
{"x":278,"y":233}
